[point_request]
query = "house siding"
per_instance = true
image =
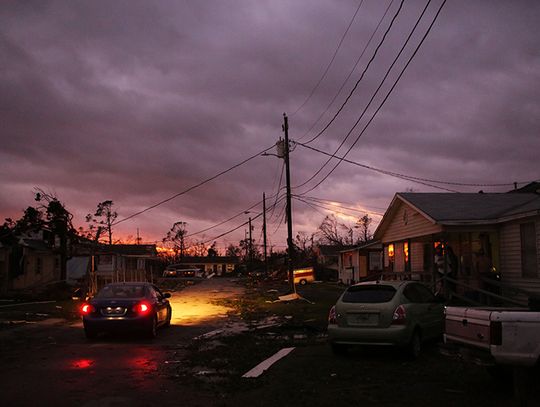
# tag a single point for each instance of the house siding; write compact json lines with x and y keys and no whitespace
{"x":408,"y":223}
{"x":31,"y":277}
{"x":510,"y":240}
{"x":416,"y":253}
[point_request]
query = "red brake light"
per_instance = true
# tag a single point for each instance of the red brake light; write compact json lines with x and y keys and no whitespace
{"x":142,"y":308}
{"x":332,"y":315}
{"x":86,"y":309}
{"x":400,"y":316}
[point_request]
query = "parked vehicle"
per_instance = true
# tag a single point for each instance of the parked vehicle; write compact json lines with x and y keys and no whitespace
{"x":387,"y":313}
{"x":170,"y":273}
{"x":125,"y":307}
{"x":177,"y":272}
{"x":490,"y":336}
{"x":304,"y":276}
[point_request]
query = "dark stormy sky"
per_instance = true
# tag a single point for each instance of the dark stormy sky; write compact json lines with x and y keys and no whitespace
{"x":137,"y":101}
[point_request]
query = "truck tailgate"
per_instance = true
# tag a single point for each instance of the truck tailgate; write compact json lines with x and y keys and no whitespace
{"x":468,"y":325}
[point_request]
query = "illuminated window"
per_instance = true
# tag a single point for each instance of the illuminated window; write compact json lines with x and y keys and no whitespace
{"x":406,"y":251}
{"x":390,"y":250}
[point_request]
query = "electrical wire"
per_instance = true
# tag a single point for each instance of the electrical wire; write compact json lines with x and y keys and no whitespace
{"x":334,"y":209}
{"x":332,"y":202}
{"x":384,"y":100}
{"x":332,"y":206}
{"x":372,"y":97}
{"x":331,"y":60}
{"x":414,"y":178}
{"x":193,"y":187}
{"x":362,"y":75}
{"x":350,"y":73}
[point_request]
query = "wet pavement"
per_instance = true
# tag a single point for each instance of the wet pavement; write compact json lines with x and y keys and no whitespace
{"x":50,"y":362}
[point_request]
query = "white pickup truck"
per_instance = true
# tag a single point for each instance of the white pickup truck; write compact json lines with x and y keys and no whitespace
{"x":505,"y":340}
{"x":490,"y":336}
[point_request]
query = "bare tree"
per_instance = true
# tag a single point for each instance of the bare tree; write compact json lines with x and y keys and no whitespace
{"x":212,"y":251}
{"x":103,"y":219}
{"x":198,"y":249}
{"x":363,"y":224}
{"x":59,"y":221}
{"x":176,"y":238}
{"x":233,"y":251}
{"x":332,"y":232}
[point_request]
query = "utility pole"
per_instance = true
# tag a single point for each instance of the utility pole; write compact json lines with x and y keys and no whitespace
{"x":264,"y":234}
{"x":290,"y":245}
{"x":250,"y":245}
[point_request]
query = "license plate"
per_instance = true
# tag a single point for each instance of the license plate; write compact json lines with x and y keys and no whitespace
{"x":113,"y":311}
{"x":363,"y":319}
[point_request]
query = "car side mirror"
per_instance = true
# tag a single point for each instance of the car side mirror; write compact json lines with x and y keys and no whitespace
{"x":166,"y":295}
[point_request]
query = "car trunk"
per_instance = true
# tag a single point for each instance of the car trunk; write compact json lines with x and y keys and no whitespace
{"x":366,"y":307}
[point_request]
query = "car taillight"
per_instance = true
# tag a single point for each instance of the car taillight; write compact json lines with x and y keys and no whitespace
{"x":86,"y":309}
{"x":495,"y":333}
{"x":332,"y":315}
{"x":142,"y":308}
{"x":400,"y":316}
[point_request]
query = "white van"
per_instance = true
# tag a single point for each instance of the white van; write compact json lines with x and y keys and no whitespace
{"x":304,"y":276}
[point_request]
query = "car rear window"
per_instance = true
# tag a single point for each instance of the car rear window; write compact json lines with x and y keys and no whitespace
{"x":369,"y":294}
{"x":131,"y":291}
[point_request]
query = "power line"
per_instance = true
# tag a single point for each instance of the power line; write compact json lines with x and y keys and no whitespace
{"x":413,"y":178}
{"x":384,"y":100}
{"x":341,"y":159}
{"x":331,"y":60}
{"x":333,"y":201}
{"x":330,"y":205}
{"x":350,"y":73}
{"x":362,"y":75}
{"x":223,"y":222}
{"x":372,"y":97}
{"x":334,"y":209}
{"x":235,"y":228}
{"x":194,"y":186}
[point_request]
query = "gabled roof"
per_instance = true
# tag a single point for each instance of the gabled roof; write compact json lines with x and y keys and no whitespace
{"x":465,"y":208}
{"x":444,"y":208}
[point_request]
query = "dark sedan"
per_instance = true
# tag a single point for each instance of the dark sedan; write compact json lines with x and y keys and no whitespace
{"x":123,"y":307}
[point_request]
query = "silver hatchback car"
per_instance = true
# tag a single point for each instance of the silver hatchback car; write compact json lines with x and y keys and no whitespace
{"x":397,"y":313}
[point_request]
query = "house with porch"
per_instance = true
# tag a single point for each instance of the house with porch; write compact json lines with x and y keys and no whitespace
{"x":487,"y":234}
{"x":360,"y":262}
{"x":125,"y":262}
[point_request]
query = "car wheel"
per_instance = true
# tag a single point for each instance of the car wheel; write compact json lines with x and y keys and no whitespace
{"x":415,"y":345}
{"x":152,"y":329}
{"x":339,"y":348}
{"x":169,"y":316}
